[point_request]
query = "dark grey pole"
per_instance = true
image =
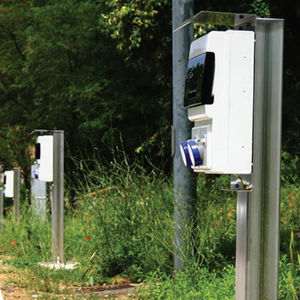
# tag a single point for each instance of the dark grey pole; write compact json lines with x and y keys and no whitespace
{"x":184,"y":179}
{"x":16,"y":199}
{"x":1,"y":205}
{"x":58,"y":197}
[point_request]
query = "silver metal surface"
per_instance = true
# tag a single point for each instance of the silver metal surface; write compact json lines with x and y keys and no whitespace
{"x":264,"y":201}
{"x":39,"y":198}
{"x":1,"y":205}
{"x":16,"y":198}
{"x":241,"y":245}
{"x":58,"y":197}
{"x":184,"y":179}
{"x":218,"y":18}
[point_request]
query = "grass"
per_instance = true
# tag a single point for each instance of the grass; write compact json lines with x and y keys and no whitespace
{"x":121,"y":226}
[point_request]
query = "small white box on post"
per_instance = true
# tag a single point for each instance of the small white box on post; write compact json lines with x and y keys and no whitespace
{"x":219,"y":99}
{"x":9,"y":184}
{"x":44,"y":157}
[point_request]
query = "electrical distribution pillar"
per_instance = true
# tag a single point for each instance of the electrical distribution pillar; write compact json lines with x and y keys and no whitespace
{"x":49,"y":167}
{"x":233,"y":96}
{"x":12,"y":181}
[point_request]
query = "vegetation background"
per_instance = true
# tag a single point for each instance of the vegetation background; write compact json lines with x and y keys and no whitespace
{"x":101,"y":71}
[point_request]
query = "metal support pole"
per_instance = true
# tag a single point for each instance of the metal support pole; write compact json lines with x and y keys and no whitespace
{"x":1,"y":206}
{"x":58,"y":197}
{"x":184,"y":179}
{"x":264,"y":200}
{"x":241,"y":245}
{"x":16,"y":198}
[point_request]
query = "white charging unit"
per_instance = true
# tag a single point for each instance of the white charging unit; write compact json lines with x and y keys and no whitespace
{"x":44,"y":158}
{"x":8,"y":182}
{"x":219,"y":99}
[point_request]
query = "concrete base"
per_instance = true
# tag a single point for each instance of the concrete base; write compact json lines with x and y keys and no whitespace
{"x":60,"y":266}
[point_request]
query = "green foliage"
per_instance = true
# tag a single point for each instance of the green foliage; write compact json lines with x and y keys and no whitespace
{"x":260,"y":8}
{"x":27,"y":239}
{"x":128,"y":215}
{"x":138,"y":25}
{"x":289,"y":281}
{"x":203,"y":284}
{"x":289,"y":216}
{"x":123,"y":224}
{"x":101,"y":69}
{"x":60,"y":70}
{"x":209,"y":235}
{"x":199,"y":284}
{"x":290,"y":168}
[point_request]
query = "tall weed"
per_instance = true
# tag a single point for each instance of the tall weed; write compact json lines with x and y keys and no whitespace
{"x":128,"y":216}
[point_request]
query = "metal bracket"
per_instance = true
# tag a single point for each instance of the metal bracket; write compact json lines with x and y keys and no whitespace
{"x":220,"y":18}
{"x":241,"y":183}
{"x":45,"y":130}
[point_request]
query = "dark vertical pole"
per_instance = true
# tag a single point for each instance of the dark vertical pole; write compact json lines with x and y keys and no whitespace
{"x":184,"y":179}
{"x":58,"y":197}
{"x":1,"y":205}
{"x":16,"y":198}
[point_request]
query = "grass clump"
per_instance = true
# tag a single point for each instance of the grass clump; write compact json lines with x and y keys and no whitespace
{"x":197,"y":283}
{"x":121,"y":225}
{"x":127,"y":222}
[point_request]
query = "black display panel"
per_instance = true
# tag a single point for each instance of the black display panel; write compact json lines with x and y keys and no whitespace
{"x":37,"y":151}
{"x":199,"y":80}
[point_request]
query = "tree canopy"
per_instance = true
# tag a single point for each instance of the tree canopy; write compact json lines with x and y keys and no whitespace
{"x":102,"y":71}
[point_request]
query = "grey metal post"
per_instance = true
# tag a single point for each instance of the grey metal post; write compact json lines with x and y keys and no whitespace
{"x":16,"y":198}
{"x":264,"y":200}
{"x":39,"y":198}
{"x":1,"y":205}
{"x":184,"y":179}
{"x":58,"y":197}
{"x":241,"y":246}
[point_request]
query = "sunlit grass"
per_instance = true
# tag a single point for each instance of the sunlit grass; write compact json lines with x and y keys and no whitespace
{"x":122,"y":224}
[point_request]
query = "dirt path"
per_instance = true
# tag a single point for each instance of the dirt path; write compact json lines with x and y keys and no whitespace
{"x":8,"y":287}
{"x":12,"y":287}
